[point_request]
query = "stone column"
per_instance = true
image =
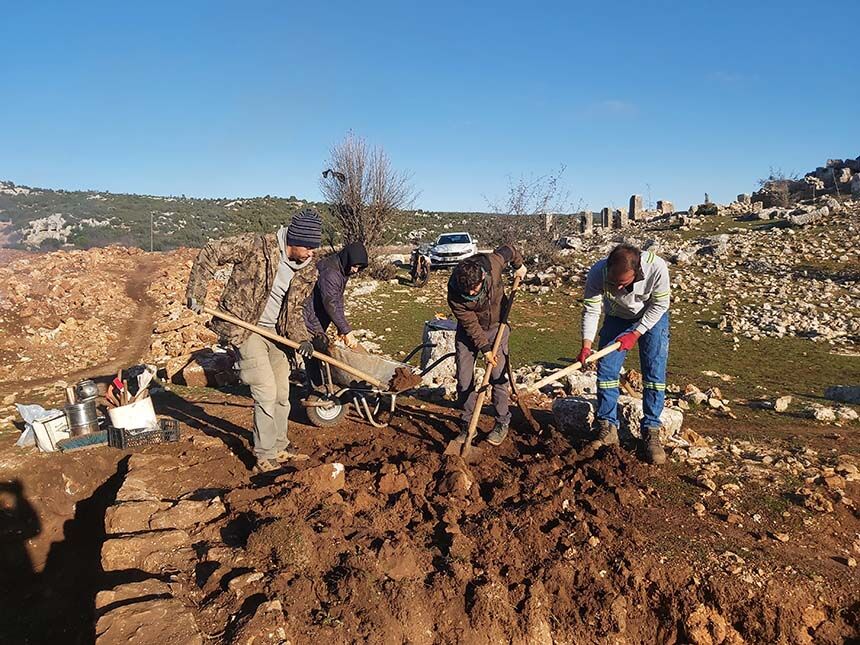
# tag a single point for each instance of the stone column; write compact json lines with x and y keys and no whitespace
{"x":635,"y":212}
{"x":665,"y":206}
{"x":606,"y":217}
{"x":586,"y":222}
{"x":619,"y":219}
{"x":547,"y":221}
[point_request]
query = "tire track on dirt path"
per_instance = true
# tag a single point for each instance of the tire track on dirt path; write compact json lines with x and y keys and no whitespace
{"x":135,"y":334}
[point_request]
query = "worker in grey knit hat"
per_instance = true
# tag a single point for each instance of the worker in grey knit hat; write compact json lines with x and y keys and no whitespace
{"x":272,"y":278}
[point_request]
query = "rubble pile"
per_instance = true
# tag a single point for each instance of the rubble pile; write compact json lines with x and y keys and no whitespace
{"x":176,"y":331}
{"x":63,"y":311}
{"x":837,"y":176}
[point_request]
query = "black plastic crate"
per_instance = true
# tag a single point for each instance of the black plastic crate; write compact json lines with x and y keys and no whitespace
{"x":167,"y":431}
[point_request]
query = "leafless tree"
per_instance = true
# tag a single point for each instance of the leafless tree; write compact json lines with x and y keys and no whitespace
{"x":533,"y":195}
{"x":363,"y":190}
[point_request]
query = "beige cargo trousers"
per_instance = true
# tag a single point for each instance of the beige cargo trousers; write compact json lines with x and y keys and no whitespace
{"x":266,"y":369}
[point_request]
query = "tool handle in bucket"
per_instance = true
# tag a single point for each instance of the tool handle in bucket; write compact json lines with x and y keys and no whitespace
{"x":570,"y":369}
{"x":325,"y":358}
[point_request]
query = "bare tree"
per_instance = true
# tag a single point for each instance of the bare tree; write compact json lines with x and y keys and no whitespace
{"x":533,"y":195}
{"x":543,"y":195}
{"x":363,"y":190}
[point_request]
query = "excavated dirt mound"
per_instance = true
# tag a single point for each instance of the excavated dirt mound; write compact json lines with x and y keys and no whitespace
{"x":380,"y":538}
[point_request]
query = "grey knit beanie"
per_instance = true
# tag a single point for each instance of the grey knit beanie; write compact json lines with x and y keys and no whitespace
{"x":305,"y":229}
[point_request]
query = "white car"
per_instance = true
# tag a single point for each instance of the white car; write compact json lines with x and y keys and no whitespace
{"x":450,"y":248}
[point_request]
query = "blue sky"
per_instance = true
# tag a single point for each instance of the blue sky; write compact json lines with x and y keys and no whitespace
{"x":242,"y":99}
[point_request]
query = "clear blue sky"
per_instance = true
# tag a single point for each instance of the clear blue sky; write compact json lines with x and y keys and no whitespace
{"x":246,"y":98}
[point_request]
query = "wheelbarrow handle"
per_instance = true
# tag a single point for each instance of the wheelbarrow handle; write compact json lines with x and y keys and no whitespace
{"x":325,"y":358}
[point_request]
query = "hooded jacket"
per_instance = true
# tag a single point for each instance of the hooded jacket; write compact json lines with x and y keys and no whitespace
{"x":326,"y":304}
{"x":255,"y":259}
{"x":477,"y":317}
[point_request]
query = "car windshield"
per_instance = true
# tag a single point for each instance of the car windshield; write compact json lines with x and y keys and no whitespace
{"x":454,"y":239}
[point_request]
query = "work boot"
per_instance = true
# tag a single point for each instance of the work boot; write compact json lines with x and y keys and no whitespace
{"x":266,"y":466}
{"x":607,"y":435}
{"x":652,"y":450}
{"x":498,"y":434}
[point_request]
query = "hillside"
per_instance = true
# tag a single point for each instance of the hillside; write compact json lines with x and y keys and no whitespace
{"x":45,"y":219}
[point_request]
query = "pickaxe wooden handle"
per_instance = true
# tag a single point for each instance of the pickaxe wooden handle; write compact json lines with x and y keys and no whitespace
{"x":482,"y":391}
{"x":570,"y":369}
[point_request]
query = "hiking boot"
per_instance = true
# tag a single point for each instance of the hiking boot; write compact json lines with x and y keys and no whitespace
{"x":652,"y":450}
{"x":497,"y":436}
{"x":266,"y":466}
{"x":607,"y":435}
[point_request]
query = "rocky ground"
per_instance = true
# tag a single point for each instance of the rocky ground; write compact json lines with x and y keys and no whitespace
{"x":751,"y":532}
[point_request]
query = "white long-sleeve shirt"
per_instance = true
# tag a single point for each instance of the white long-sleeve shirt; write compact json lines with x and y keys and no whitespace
{"x":647,"y":299}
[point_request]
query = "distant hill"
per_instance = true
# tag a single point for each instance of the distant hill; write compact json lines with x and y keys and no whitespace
{"x":39,"y":218}
{"x":42,"y":218}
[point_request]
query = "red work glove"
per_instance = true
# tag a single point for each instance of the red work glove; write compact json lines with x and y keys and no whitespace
{"x":627,"y":341}
{"x":584,"y":353}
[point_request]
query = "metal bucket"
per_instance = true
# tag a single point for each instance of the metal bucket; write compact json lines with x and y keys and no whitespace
{"x":86,"y":390}
{"x":82,"y":417}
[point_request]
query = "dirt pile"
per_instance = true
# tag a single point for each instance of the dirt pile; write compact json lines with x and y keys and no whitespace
{"x":390,"y":541}
{"x":404,"y":379}
{"x":61,"y":312}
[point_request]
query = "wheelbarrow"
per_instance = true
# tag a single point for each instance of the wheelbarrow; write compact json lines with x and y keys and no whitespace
{"x":363,"y":380}
{"x":326,"y":404}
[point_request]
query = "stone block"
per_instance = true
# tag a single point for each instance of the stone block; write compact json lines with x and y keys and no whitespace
{"x":129,"y":591}
{"x":132,"y":517}
{"x":606,"y":217}
{"x":188,"y":513}
{"x":586,"y":222}
{"x":665,"y":206}
{"x":439,"y":333}
{"x":162,"y":620}
{"x":582,"y":383}
{"x":574,"y":414}
{"x":630,"y":419}
{"x":153,"y":552}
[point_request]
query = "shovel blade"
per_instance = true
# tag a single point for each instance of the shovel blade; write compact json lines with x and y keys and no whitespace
{"x":454,"y":447}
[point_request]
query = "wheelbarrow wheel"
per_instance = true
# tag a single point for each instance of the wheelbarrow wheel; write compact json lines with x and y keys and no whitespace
{"x":325,"y":417}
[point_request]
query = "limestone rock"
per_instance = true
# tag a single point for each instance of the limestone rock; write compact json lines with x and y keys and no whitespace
{"x":163,"y":620}
{"x":630,"y":417}
{"x":574,"y":414}
{"x":188,"y":513}
{"x":132,"y":517}
{"x":152,"y":552}
{"x":440,"y":334}
{"x":582,"y":383}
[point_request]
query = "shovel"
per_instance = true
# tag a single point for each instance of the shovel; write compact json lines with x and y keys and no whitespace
{"x":570,"y":369}
{"x":325,"y":358}
{"x":455,"y":447}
